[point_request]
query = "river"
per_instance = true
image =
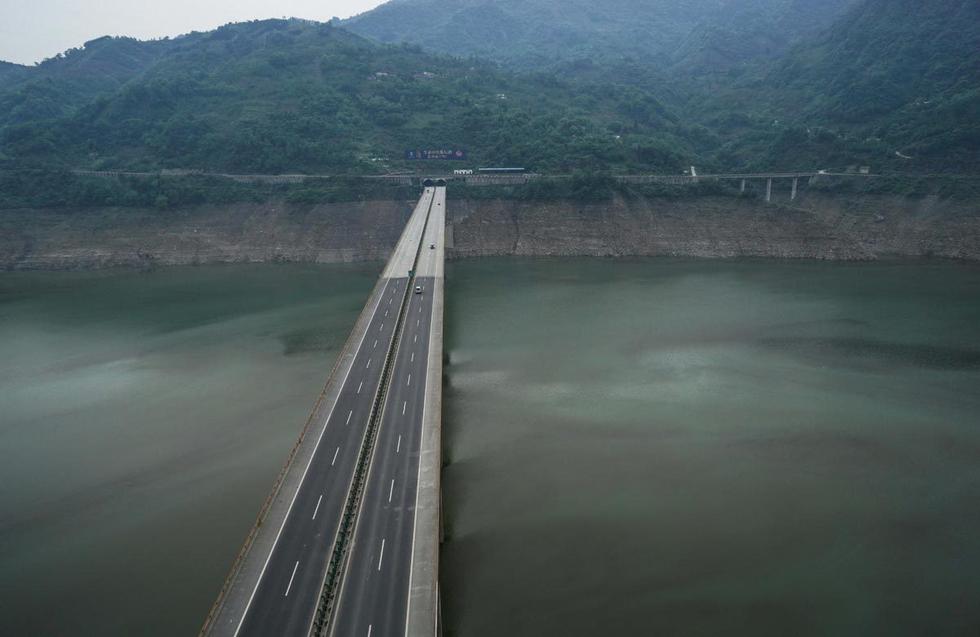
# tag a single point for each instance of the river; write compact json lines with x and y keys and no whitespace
{"x":632,"y":446}
{"x":712,"y":448}
{"x":143,"y":419}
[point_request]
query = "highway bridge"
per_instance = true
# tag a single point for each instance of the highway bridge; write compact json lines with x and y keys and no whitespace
{"x":347,"y":542}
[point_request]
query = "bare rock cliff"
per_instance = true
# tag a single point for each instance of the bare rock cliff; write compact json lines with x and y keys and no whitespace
{"x":814,"y":226}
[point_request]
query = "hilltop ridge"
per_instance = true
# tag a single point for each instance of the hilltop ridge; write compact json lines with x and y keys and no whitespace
{"x":689,"y":36}
{"x":889,"y":84}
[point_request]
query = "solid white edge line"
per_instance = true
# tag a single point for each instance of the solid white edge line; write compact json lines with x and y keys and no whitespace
{"x":309,"y":462}
{"x":353,"y":548}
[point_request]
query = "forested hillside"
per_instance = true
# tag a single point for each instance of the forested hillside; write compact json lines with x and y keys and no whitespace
{"x":904,"y":73}
{"x":10,"y":72}
{"x":891,"y":84}
{"x":686,"y":36}
{"x":71,"y":79}
{"x":280,"y":96}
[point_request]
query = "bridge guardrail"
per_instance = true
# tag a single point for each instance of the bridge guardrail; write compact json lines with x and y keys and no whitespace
{"x":277,"y":485}
{"x":345,"y":533}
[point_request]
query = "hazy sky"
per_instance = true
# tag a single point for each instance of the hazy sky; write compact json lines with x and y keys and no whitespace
{"x":31,"y":30}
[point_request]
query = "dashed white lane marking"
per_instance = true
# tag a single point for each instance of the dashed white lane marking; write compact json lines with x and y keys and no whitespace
{"x":409,"y":383}
{"x":416,"y":339}
{"x":417,"y":321}
{"x":369,"y":629}
{"x":386,"y":313}
{"x":359,"y":386}
{"x":290,"y":585}
{"x":317,"y":506}
{"x":349,"y":414}
{"x":382,"y":328}
{"x":334,"y":456}
{"x":413,"y":358}
{"x":391,"y":490}
{"x":382,"y":556}
{"x":399,"y":447}
{"x":375,"y":343}
{"x":368,"y":366}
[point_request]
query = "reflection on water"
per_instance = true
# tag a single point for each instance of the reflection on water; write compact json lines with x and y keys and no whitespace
{"x":660,"y":447}
{"x":143,"y":418}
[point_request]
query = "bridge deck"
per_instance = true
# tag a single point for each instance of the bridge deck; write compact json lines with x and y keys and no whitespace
{"x":275,"y":583}
{"x":374,"y":598}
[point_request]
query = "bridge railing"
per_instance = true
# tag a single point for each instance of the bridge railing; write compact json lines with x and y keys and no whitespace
{"x":345,"y":534}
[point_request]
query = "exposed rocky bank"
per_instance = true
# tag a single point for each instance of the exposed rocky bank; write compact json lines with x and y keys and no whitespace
{"x":815,"y":226}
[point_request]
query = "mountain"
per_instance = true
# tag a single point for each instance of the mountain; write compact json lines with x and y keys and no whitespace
{"x":60,"y":84}
{"x":891,"y":84}
{"x":291,"y":95}
{"x":685,"y":35}
{"x":903,"y":74}
{"x":10,"y":73}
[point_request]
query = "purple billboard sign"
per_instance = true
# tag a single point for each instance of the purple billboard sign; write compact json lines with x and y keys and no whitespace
{"x":442,"y":154}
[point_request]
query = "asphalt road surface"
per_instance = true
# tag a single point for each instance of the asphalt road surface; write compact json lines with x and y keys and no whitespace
{"x":373,"y":599}
{"x":285,"y":599}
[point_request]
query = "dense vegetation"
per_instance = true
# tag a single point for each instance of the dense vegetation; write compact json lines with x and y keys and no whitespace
{"x":280,"y":96}
{"x":64,"y":189}
{"x":572,"y":87}
{"x":74,"y":78}
{"x":901,"y":73}
{"x":789,"y":83}
{"x":677,"y":35}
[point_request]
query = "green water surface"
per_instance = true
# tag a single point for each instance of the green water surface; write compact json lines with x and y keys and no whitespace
{"x":642,"y":447}
{"x":143,"y":419}
{"x":712,"y":448}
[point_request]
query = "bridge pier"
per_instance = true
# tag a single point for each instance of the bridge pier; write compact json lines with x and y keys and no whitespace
{"x":792,"y":196}
{"x":768,"y":189}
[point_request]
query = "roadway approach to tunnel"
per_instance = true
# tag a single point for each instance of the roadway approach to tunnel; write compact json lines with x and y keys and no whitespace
{"x":347,"y":542}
